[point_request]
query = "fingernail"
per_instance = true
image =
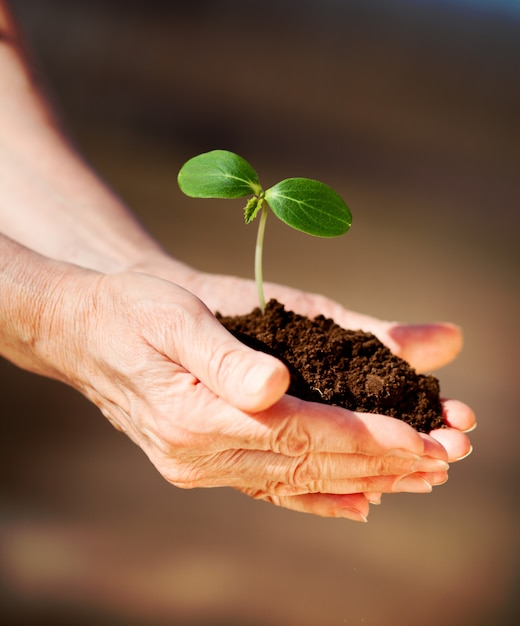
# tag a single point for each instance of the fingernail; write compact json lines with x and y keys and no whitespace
{"x":412,"y":484}
{"x":400,"y":453}
{"x":438,"y":480}
{"x":355,"y":515}
{"x":428,"y":464}
{"x":373,"y":498}
{"x":465,"y":456}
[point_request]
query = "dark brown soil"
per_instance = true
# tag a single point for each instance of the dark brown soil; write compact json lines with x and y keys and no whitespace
{"x":346,"y":368}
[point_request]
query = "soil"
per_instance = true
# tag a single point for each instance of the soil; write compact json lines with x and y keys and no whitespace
{"x":347,"y":368}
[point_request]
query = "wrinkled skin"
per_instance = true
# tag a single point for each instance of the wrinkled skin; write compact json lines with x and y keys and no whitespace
{"x":164,"y":371}
{"x":89,"y":298}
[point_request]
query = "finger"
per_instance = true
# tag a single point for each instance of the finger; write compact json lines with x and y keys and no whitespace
{"x":410,"y":483}
{"x":459,"y":415}
{"x":275,"y":474}
{"x":460,"y":419}
{"x":245,"y":378}
{"x":424,"y":346}
{"x":354,"y":507}
{"x":373,"y":497}
{"x":456,"y":444}
{"x":435,"y":478}
{"x":433,"y":448}
{"x":291,"y":427}
{"x":205,"y":424}
{"x":294,"y":428}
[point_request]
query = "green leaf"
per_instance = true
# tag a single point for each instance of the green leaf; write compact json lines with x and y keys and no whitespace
{"x":218,"y":174}
{"x":309,"y":206}
{"x":252,"y":207}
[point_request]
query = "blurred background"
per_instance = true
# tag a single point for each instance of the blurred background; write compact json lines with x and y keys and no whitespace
{"x":410,"y":109}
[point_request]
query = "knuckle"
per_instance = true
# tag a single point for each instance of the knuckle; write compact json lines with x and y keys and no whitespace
{"x":264,"y":495}
{"x":283,"y":489}
{"x":305,"y":472}
{"x":222,"y":361}
{"x":390,"y":465}
{"x":303,"y":476}
{"x":291,"y":439}
{"x":213,"y":470}
{"x":384,"y":466}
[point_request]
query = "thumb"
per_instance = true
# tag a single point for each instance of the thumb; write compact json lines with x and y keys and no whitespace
{"x":247,"y":379}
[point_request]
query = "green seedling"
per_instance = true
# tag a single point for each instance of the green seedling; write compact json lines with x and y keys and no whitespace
{"x":302,"y":203}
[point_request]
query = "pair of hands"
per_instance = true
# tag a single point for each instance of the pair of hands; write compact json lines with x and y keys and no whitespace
{"x":208,"y":411}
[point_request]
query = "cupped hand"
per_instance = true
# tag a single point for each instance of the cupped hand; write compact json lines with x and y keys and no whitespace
{"x":208,"y":411}
{"x":424,"y":346}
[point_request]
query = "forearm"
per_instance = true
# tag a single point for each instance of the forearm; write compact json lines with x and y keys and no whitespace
{"x":50,"y":200}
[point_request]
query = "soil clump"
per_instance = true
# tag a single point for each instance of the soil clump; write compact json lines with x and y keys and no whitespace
{"x":347,"y":368}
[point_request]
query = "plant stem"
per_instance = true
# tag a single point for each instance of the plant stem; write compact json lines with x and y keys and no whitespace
{"x":258,"y":257}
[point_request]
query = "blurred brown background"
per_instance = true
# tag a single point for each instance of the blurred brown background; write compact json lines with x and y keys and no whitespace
{"x":410,"y":110}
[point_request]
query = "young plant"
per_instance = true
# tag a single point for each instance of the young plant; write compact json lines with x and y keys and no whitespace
{"x":302,"y":203}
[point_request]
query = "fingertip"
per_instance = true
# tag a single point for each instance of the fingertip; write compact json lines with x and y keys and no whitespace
{"x":374,"y":498}
{"x":457,"y":445}
{"x":427,"y":346}
{"x":247,"y":379}
{"x":433,"y":448}
{"x":265,"y":382}
{"x":459,"y":415}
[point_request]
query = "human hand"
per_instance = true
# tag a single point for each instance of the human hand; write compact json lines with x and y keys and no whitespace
{"x":159,"y":365}
{"x":232,"y":437}
{"x":208,"y":411}
{"x":424,"y":346}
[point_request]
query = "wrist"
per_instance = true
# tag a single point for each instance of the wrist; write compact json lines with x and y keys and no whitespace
{"x":41,"y":310}
{"x":160,"y":264}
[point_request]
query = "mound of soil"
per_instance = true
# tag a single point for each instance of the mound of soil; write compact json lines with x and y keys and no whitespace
{"x":347,"y":368}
